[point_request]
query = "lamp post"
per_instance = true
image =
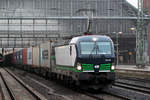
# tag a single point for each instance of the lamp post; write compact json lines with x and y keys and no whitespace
{"x":117,"y":43}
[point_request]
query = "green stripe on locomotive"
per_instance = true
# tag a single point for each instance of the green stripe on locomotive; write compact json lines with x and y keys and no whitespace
{"x":87,"y":67}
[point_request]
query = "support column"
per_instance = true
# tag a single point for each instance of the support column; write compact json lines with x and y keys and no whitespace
{"x":141,"y":38}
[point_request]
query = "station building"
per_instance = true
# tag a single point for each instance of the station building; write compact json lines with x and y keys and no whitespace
{"x":26,"y":23}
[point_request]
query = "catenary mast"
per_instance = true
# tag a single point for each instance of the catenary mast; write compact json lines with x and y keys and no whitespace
{"x":141,"y":38}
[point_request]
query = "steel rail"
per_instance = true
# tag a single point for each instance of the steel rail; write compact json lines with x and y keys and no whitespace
{"x":144,"y":87}
{"x":136,"y":79}
{"x":97,"y":96}
{"x":91,"y":95}
{"x":133,"y":87}
{"x":101,"y":97}
{"x":34,"y":93}
{"x":117,"y":95}
{"x":12,"y":95}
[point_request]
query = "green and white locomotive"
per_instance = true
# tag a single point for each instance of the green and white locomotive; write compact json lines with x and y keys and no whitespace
{"x":87,"y":60}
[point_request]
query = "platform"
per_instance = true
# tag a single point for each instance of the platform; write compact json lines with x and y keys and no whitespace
{"x":132,"y":67}
{"x":133,"y":71}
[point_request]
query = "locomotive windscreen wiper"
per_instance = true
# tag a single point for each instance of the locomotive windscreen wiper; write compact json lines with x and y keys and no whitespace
{"x":95,"y":49}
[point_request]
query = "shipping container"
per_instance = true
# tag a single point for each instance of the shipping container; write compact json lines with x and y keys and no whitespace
{"x":20,"y":57}
{"x":45,"y":54}
{"x":10,"y":57}
{"x":36,"y":56}
{"x":29,"y":56}
{"x":24,"y":56}
{"x":13,"y":57}
{"x":16,"y":57}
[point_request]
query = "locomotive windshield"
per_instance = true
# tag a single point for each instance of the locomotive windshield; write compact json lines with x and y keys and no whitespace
{"x":95,"y":47}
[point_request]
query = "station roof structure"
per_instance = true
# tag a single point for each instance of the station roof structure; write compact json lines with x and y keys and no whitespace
{"x":25,"y":23}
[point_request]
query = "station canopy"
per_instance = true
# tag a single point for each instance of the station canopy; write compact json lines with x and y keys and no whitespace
{"x":25,"y":23}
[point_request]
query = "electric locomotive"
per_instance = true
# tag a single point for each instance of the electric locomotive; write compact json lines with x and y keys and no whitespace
{"x":88,"y":60}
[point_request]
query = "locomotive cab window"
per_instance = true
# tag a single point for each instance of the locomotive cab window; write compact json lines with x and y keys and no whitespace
{"x":95,"y":47}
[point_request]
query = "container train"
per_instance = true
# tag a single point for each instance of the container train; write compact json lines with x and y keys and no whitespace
{"x":86,"y":61}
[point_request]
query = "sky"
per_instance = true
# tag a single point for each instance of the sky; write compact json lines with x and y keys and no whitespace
{"x":133,"y":2}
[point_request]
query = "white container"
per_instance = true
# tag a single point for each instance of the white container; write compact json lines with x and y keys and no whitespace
{"x":36,"y":56}
{"x":45,"y":54}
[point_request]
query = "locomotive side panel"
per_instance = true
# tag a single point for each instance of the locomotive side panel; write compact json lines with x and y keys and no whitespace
{"x":65,"y":55}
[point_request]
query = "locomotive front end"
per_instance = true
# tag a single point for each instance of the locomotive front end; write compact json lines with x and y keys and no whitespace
{"x":95,"y":60}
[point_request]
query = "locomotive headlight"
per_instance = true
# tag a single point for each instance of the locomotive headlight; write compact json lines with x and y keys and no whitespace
{"x":94,"y":39}
{"x":112,"y":67}
{"x":79,"y":67}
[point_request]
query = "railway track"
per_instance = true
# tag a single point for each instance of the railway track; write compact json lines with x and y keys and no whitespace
{"x":15,"y":89}
{"x":106,"y":96}
{"x":131,"y":90}
{"x":134,"y":79}
{"x":125,"y":91}
{"x":134,"y":87}
{"x":98,"y":96}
